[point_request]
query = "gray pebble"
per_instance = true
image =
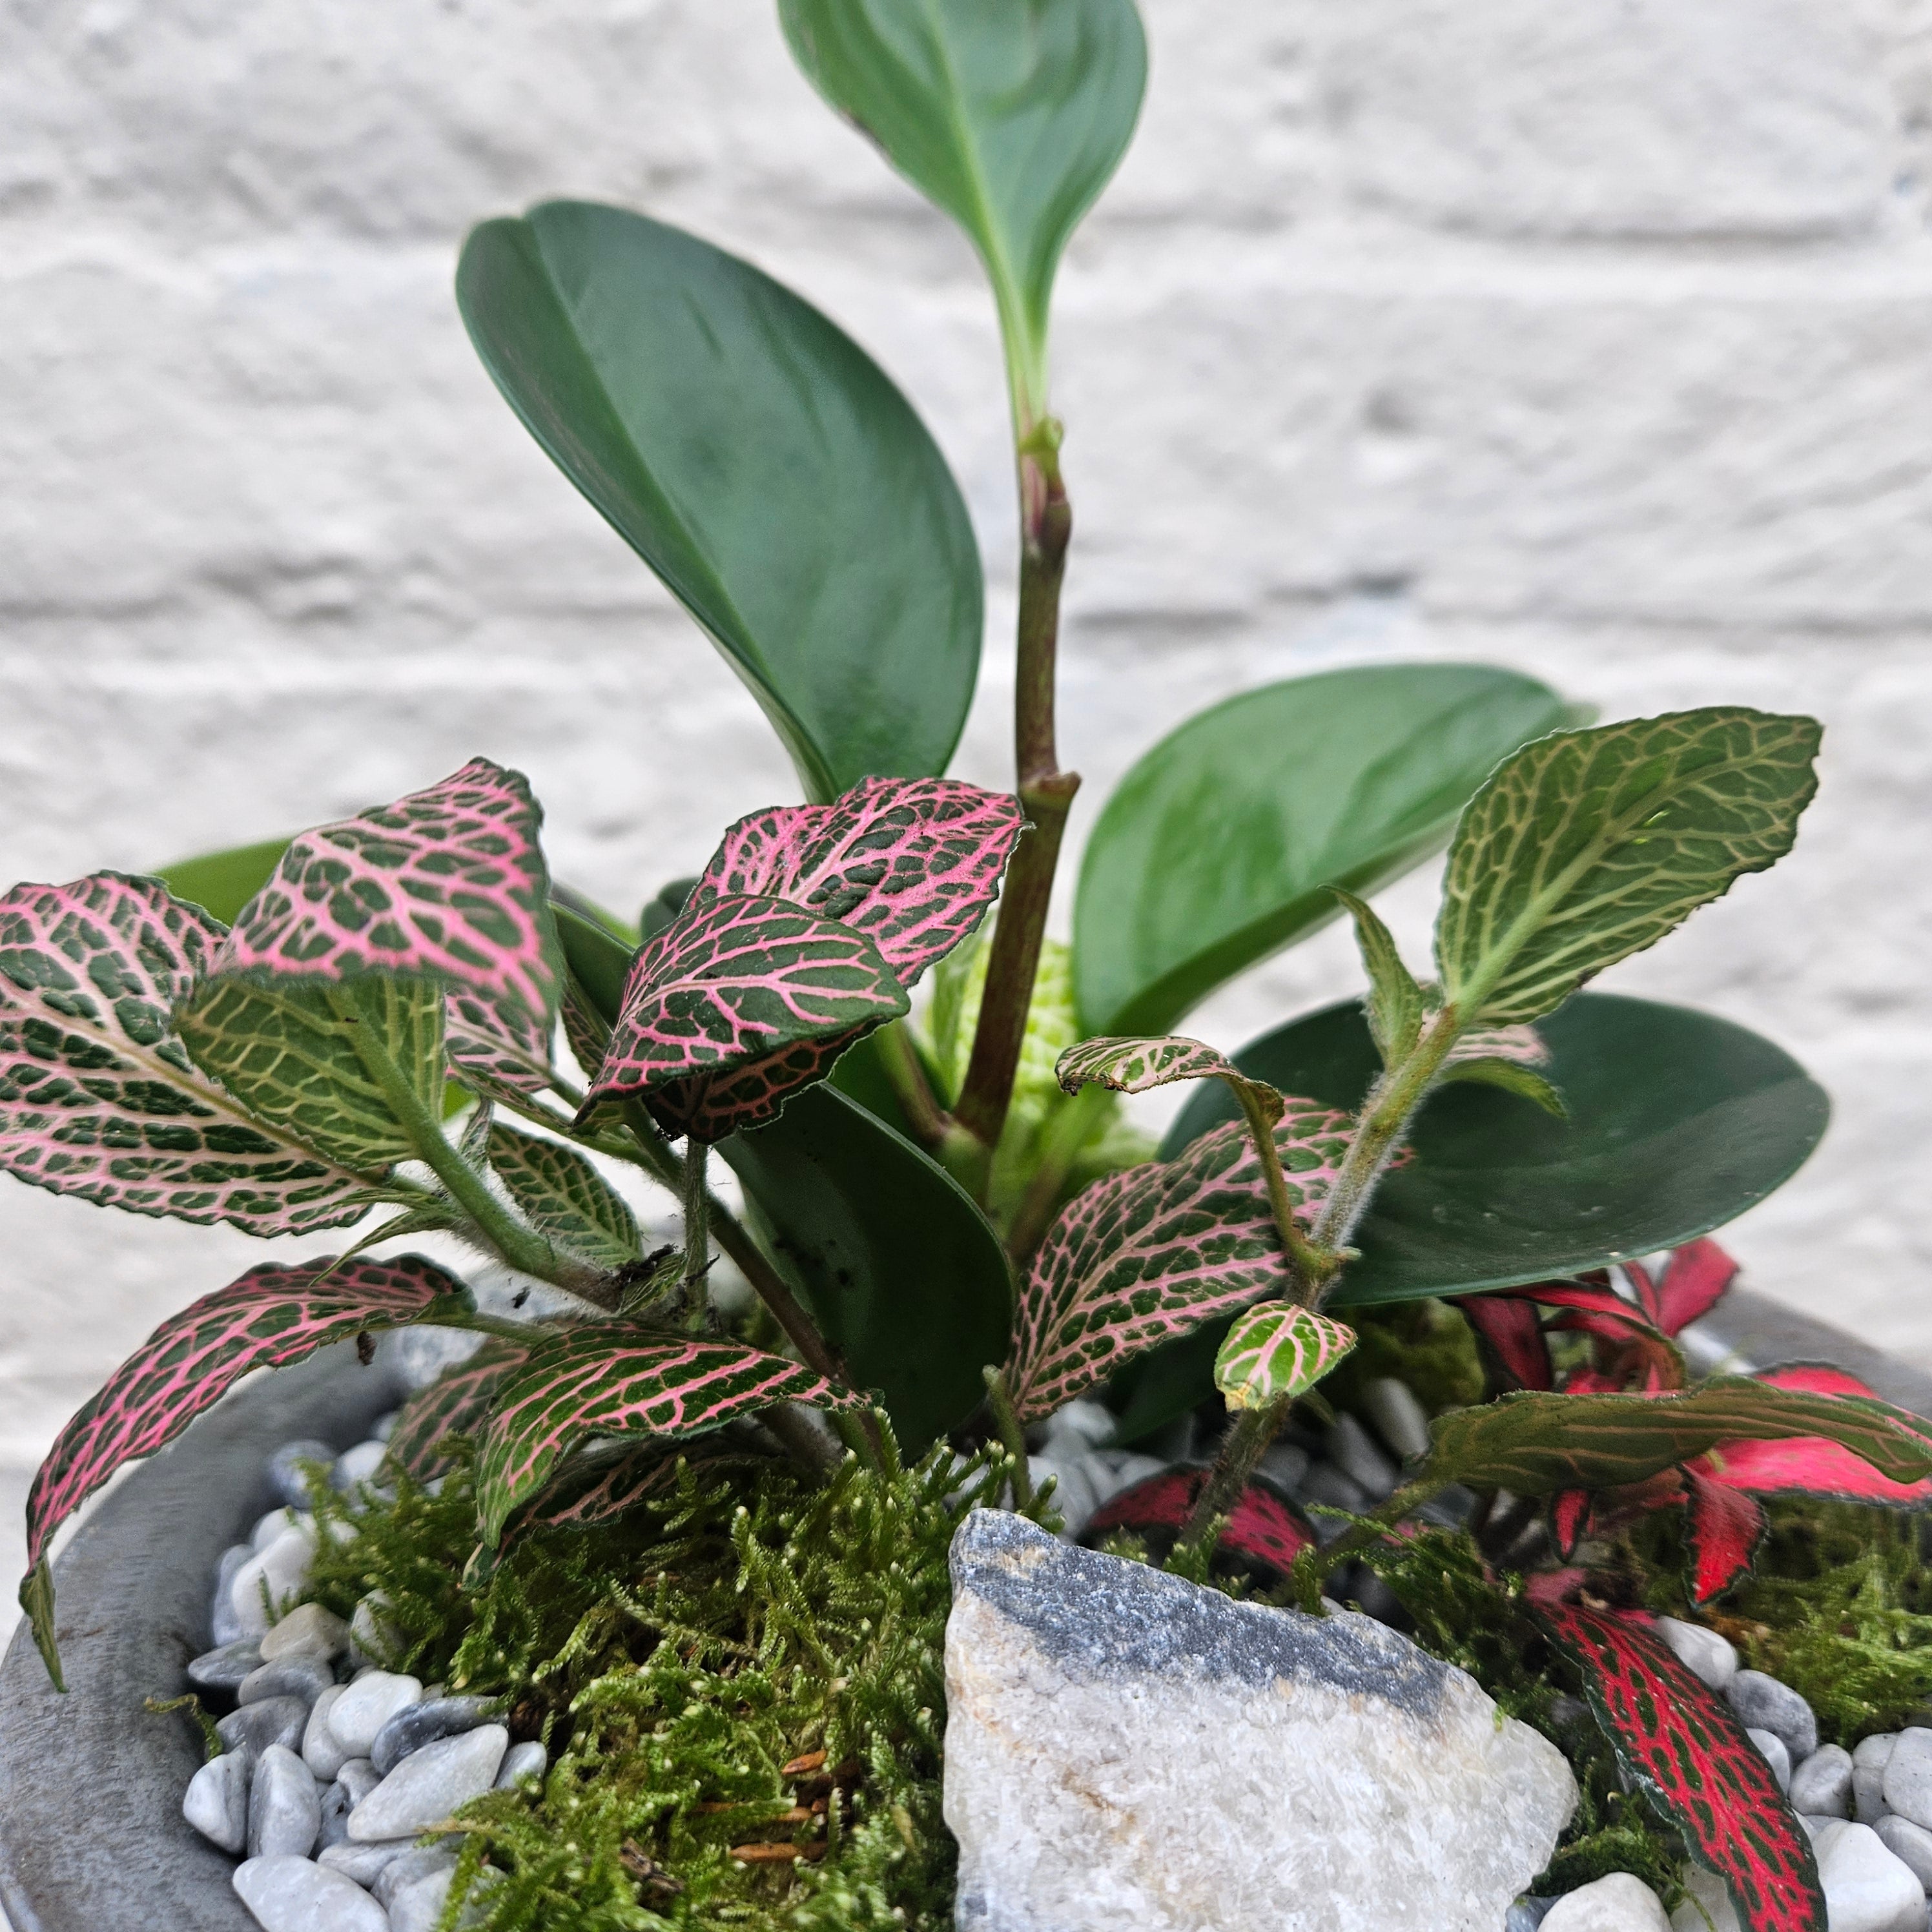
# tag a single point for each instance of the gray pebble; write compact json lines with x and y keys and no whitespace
{"x":419,"y":1724}
{"x":1869,"y":1758}
{"x":384,"y":1426}
{"x":307,"y":1631}
{"x":1701,"y":1650}
{"x":1081,"y":1425}
{"x":363,"y":1863}
{"x":217,"y":1804}
{"x":277,"y":1720}
{"x":301,"y":1677}
{"x":336,"y":1805}
{"x":1908,"y":1777}
{"x":1763,"y":1703}
{"x":1910,"y":1844}
{"x":1527,"y":1914}
{"x":284,"y":1806}
{"x":1821,"y":1787}
{"x":359,"y":1777}
{"x":368,"y":1704}
{"x":288,"y":1894}
{"x":414,"y":1866}
{"x":520,"y":1762}
{"x":1355,"y":1452}
{"x":285,"y":1472}
{"x":1326,"y":1483}
{"x":225,"y":1623}
{"x":322,"y":1751}
{"x":1399,"y":1419}
{"x":428,"y":1785}
{"x":1284,"y":1465}
{"x":1770,"y":1748}
{"x":226,"y":1669}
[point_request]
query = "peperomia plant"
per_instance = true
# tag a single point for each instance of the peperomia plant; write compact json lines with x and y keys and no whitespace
{"x":949,"y":1227}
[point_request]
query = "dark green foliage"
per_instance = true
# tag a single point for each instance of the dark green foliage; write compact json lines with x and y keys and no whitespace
{"x":674,"y":1662}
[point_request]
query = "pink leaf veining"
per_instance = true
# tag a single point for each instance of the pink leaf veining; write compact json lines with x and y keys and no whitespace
{"x":455,"y":1404}
{"x":97,"y":1097}
{"x":1150,"y":1253}
{"x":607,"y":1380}
{"x":449,"y":884}
{"x":271,"y":1316}
{"x":912,"y":863}
{"x":736,"y":987}
{"x":1260,"y":1527}
{"x":582,"y":1494}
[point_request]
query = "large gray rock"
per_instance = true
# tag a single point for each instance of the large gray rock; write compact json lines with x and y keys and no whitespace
{"x":1125,"y":1748}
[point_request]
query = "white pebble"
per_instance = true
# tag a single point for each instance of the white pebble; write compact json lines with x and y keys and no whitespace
{"x":1908,"y":1776}
{"x":217,"y":1804}
{"x":1618,"y":1903}
{"x":1771,"y":1748}
{"x":276,"y":1523}
{"x":1821,"y":1787}
{"x":1701,"y":1651}
{"x":322,"y":1750}
{"x":307,"y":1631}
{"x":1399,"y":1418}
{"x":418,"y":1907}
{"x":1910,"y":1844}
{"x":281,"y":1570}
{"x":284,"y":1806}
{"x":429,"y":1784}
{"x":288,"y":1894}
{"x":225,"y":1627}
{"x":1869,"y":1756}
{"x":372,"y":1634}
{"x":520,"y":1762}
{"x":1079,"y":1427}
{"x":1867,"y":1889}
{"x":364,"y":1863}
{"x":423,"y":1861}
{"x":358,"y":1777}
{"x":357,"y":1466}
{"x":367,"y":1704}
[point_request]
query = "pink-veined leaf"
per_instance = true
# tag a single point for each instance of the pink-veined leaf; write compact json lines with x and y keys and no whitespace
{"x":1506,"y":1057}
{"x":448,"y":884}
{"x":455,"y":1404}
{"x":585,"y":1493}
{"x":912,"y":863}
{"x":1276,"y":1351}
{"x":730,"y":985}
{"x":1521,"y":1046}
{"x":1135,"y":1065}
{"x":1512,"y":1331}
{"x":1260,"y":1526}
{"x":1724,"y":1526}
{"x":604,"y":1379}
{"x":97,"y":1095}
{"x":1151,"y":1252}
{"x":1696,"y":1278}
{"x":1679,"y":1742}
{"x":273,"y":1315}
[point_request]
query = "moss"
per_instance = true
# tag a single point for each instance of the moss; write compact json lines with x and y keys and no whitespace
{"x":1427,"y":1344}
{"x":676,"y":1663}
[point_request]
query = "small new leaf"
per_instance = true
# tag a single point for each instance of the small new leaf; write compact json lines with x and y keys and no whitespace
{"x":563,"y":1197}
{"x":1135,"y":1066}
{"x":1396,"y":1005}
{"x":1276,"y":1351}
{"x":1511,"y":1075}
{"x":1585,"y":847}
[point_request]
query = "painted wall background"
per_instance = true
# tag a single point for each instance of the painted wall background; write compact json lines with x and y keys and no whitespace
{"x":1595,"y":340}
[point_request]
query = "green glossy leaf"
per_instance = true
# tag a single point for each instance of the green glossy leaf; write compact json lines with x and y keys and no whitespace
{"x":1222,"y":844}
{"x":904,"y":1275}
{"x":287,"y":1050}
{"x":1010,"y":114}
{"x":1589,"y":846}
{"x":222,"y":883}
{"x":563,"y":1196}
{"x":759,"y":461}
{"x":1678,"y":1121}
{"x":1535,"y":1444}
{"x":1276,"y":1351}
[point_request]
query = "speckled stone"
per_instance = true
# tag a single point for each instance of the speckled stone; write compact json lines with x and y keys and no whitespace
{"x":1125,"y":1748}
{"x":428,"y":1785}
{"x":1908,"y":1776}
{"x":288,"y":1894}
{"x":1910,"y":1844}
{"x":1869,"y":1756}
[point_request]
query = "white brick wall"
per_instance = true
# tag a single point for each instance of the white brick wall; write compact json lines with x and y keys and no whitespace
{"x":1595,"y":339}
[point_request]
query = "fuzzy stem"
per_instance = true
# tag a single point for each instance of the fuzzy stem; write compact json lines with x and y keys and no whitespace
{"x":1006,"y":1418}
{"x":930,"y":1122}
{"x":1313,"y":1568}
{"x":696,"y":1201}
{"x":1046,"y":792}
{"x":1245,"y":1445}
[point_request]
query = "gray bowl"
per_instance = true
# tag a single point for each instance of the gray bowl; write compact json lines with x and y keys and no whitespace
{"x":91,"y":1837}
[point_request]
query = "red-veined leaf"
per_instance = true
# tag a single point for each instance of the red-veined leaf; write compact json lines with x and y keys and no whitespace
{"x":1150,"y":1253}
{"x":1723,"y":1527}
{"x":1135,"y":1066}
{"x":1512,"y":1332}
{"x":713,"y":1106}
{"x":1260,"y":1526}
{"x":273,"y":1315}
{"x":1274,"y":1350}
{"x":448,"y":884}
{"x":1569,"y":1518}
{"x":739,"y":980}
{"x":607,"y":1380}
{"x":912,"y":863}
{"x":1678,"y":1741}
{"x":1536,"y":1444}
{"x":1695,"y":1277}
{"x":455,"y":1404}
{"x":97,"y":1095}
{"x":1810,"y":1466}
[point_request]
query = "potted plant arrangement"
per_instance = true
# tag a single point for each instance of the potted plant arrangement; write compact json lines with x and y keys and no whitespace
{"x":636,"y":1613}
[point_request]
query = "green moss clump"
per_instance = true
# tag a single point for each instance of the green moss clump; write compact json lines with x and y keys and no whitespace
{"x":675,"y":1662}
{"x":1427,"y":1344}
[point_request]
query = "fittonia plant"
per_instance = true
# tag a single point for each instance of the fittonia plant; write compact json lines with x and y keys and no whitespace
{"x":361,"y":1027}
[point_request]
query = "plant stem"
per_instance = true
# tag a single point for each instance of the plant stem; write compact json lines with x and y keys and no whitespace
{"x":1309,"y":1266}
{"x":696,"y":1201}
{"x":1241,"y":1452}
{"x":1046,"y":792}
{"x":1068,"y":1131}
{"x":1006,"y":1419}
{"x":929,"y":1121}
{"x":1314,"y":1567}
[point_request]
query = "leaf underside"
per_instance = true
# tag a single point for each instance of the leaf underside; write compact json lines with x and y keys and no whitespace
{"x":1678,"y":1740}
{"x":455,"y":1404}
{"x":97,"y":1097}
{"x":1148,"y":1253}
